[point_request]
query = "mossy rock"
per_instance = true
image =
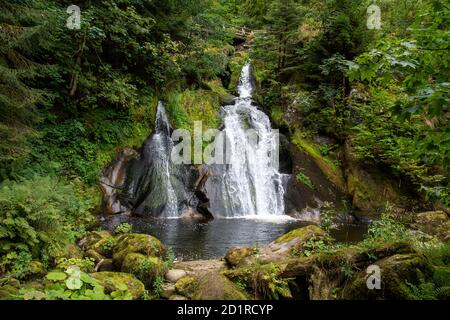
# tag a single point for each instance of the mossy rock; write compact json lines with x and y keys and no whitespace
{"x":236,"y":256}
{"x":213,"y":286}
{"x":136,"y":243}
{"x":92,"y":238}
{"x":9,"y":292}
{"x":36,"y":270}
{"x":71,"y":251}
{"x":144,"y":268}
{"x":187,"y":286}
{"x":105,"y":246}
{"x":111,"y":281}
{"x":91,"y":253}
{"x":292,"y":243}
{"x":443,"y":232}
{"x":396,"y":271}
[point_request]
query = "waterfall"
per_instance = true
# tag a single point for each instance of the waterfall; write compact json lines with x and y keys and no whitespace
{"x":150,"y":183}
{"x":251,"y":182}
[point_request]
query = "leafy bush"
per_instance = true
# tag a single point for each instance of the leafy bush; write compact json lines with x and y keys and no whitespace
{"x":74,"y":284}
{"x":86,"y":265}
{"x":40,"y":216}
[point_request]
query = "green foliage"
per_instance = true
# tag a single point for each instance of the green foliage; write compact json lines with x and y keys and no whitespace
{"x":327,"y":214}
{"x":158,"y":285}
{"x":74,"y":284}
{"x":303,"y":178}
{"x":17,"y":263}
{"x":387,"y":229}
{"x":86,"y":264}
{"x":40,"y":216}
{"x":268,"y":285}
{"x":123,"y":228}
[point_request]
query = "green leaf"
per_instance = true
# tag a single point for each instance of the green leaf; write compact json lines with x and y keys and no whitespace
{"x":56,"y":276}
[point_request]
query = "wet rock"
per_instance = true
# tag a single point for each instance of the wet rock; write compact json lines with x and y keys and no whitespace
{"x":111,"y":281}
{"x":145,"y":268}
{"x":136,"y":243}
{"x":174,"y":275}
{"x":236,"y":256}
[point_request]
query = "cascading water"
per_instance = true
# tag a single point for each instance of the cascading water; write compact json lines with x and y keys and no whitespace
{"x":150,"y":182}
{"x":251,"y":183}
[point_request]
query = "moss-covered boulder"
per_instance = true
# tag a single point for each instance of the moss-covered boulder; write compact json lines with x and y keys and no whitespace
{"x":443,"y":232}
{"x":187,"y":286}
{"x":105,"y":246}
{"x":235,"y":256}
{"x":97,"y":257}
{"x":293,"y":243}
{"x":92,"y":238}
{"x":144,"y":268}
{"x":209,"y":286}
{"x":136,"y":243}
{"x":396,"y":272}
{"x":71,"y":251}
{"x":9,"y":292}
{"x":113,"y":280}
{"x":36,"y":270}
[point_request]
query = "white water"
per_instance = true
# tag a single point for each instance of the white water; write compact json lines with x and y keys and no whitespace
{"x":163,"y":131}
{"x":251,"y":183}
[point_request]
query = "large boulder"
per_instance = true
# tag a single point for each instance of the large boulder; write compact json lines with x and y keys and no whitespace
{"x":293,"y":243}
{"x":92,"y":238}
{"x":113,"y":280}
{"x":144,"y":268}
{"x":136,"y":243}
{"x":396,"y":272}
{"x":209,"y":286}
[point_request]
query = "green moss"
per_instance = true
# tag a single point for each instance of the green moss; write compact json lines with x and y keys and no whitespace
{"x":328,"y":167}
{"x":112,"y":281}
{"x":136,"y":243}
{"x":301,"y":233}
{"x":146,"y":269}
{"x":303,"y":178}
{"x":187,"y":286}
{"x":193,"y":105}
{"x":235,"y":256}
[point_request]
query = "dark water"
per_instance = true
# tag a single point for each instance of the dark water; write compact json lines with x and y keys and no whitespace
{"x":191,"y":241}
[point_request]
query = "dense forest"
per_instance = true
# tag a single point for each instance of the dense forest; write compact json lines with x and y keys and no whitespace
{"x":368,"y":105}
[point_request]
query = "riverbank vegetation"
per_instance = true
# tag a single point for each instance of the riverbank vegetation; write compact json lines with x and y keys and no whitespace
{"x":369,"y":106}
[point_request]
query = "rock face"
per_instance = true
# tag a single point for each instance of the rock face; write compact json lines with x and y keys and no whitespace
{"x":112,"y":179}
{"x":136,"y":243}
{"x":112,"y":280}
{"x":370,"y":188}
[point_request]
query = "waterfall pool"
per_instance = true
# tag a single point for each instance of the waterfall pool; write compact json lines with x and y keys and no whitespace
{"x":191,"y":240}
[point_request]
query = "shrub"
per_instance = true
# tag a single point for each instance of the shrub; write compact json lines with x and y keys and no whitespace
{"x":40,"y":216}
